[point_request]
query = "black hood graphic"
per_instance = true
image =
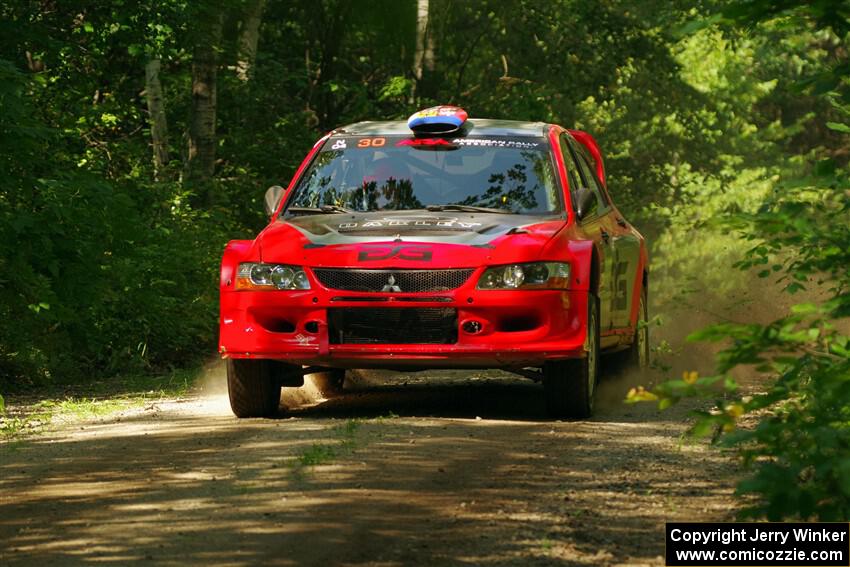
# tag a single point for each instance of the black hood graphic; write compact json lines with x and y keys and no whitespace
{"x":450,"y":227}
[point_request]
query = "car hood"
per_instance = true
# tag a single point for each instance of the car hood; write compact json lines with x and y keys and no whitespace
{"x":407,"y":239}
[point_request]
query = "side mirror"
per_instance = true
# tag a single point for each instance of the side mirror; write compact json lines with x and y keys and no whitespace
{"x":272,"y":200}
{"x":584,"y":200}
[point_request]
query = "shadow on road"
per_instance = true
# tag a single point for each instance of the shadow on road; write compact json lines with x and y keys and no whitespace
{"x":473,"y":394}
{"x":428,"y":484}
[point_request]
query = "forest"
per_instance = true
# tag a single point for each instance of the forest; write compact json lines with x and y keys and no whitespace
{"x":137,"y":137}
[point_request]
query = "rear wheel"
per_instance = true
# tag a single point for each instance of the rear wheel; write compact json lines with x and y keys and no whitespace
{"x":253,"y":387}
{"x":635,"y":359}
{"x":570,"y":385}
{"x":329,"y":383}
{"x":638,"y":358}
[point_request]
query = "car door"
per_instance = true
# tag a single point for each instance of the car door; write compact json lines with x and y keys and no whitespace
{"x":627,"y":246}
{"x":625,"y":249}
{"x":596,"y":224}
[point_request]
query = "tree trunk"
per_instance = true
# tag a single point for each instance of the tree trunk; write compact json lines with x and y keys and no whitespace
{"x":423,"y":57}
{"x":200,"y":162}
{"x":421,"y":40}
{"x":249,"y":35}
{"x":156,"y":116}
{"x":428,"y":56}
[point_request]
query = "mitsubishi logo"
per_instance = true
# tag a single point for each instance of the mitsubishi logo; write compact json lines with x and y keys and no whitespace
{"x":391,"y":287}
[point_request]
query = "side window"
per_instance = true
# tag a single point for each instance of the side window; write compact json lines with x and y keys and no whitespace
{"x":574,"y":174}
{"x":589,"y":176}
{"x":604,"y":199}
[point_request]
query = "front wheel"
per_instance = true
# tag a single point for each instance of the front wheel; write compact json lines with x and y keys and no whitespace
{"x":570,"y":385}
{"x":253,"y":387}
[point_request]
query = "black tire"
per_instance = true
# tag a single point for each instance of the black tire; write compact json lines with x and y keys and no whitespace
{"x":253,"y":387}
{"x":637,"y":358}
{"x":330,"y":382}
{"x":570,"y":385}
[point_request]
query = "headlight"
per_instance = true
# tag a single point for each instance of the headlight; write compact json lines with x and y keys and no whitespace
{"x":536,"y":275}
{"x":271,"y":276}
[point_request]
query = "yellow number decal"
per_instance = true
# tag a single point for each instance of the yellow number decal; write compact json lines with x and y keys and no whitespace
{"x":372,"y":143}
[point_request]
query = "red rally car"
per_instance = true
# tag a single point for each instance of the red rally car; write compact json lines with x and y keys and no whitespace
{"x":440,"y":242}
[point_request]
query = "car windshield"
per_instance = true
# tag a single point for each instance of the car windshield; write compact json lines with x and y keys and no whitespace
{"x":508,"y":174}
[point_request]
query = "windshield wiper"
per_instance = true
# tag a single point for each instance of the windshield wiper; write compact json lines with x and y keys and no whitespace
{"x":467,"y":209}
{"x":323,"y":210}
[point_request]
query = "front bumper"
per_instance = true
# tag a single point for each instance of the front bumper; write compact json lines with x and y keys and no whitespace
{"x":517,"y":328}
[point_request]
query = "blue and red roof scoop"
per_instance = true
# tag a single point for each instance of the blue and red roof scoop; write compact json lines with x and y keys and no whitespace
{"x":437,"y":120}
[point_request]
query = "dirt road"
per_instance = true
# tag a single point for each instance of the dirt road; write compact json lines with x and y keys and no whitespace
{"x":433,"y":469}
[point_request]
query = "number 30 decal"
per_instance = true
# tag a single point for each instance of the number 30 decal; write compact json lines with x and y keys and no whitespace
{"x":371,"y":142}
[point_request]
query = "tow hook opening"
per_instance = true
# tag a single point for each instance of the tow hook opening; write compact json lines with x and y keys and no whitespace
{"x":276,"y":324}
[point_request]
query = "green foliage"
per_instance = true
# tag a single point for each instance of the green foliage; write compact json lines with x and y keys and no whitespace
{"x":794,"y":434}
{"x":99,"y":273}
{"x":797,"y":450}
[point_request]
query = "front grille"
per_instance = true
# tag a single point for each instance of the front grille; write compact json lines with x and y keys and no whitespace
{"x":360,"y":325}
{"x":404,"y":281}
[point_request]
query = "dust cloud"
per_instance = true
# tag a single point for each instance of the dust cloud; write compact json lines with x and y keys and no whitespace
{"x":213,"y":380}
{"x":674,"y":316}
